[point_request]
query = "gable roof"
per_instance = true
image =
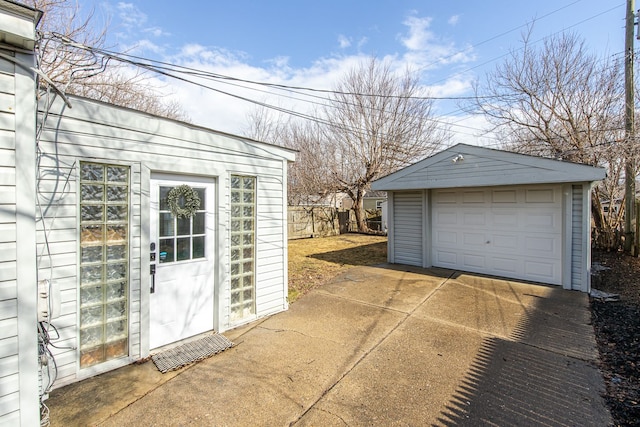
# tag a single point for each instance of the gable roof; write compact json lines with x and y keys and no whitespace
{"x":470,"y":166}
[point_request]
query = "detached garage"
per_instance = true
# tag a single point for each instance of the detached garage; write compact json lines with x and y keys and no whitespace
{"x":493,"y":212}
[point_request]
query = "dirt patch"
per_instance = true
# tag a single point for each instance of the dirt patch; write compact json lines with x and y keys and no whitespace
{"x":313,"y":262}
{"x":617,"y":329}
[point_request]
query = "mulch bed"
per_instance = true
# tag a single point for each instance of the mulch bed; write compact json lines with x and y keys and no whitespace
{"x":617,"y":329}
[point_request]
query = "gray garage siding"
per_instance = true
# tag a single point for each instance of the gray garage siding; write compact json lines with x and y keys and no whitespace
{"x":577,"y":240}
{"x":407,"y":219}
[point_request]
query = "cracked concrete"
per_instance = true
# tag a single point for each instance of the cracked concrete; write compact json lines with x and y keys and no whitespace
{"x":383,"y":345}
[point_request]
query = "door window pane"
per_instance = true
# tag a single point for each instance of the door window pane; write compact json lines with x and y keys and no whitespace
{"x":242,"y":224}
{"x":184,"y":249}
{"x":198,"y":247}
{"x":198,"y":223}
{"x":191,"y":231}
{"x":104,"y":262}
{"x":167,"y":251}
{"x":184,"y":226}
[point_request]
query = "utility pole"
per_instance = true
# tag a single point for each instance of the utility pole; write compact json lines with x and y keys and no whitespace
{"x":629,"y":170}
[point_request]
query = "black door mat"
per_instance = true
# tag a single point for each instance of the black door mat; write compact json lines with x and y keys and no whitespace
{"x":191,"y":352}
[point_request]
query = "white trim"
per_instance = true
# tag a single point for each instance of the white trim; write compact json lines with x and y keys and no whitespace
{"x":391,"y":229}
{"x":426,"y":228}
{"x":145,"y":276}
{"x":567,"y":231}
{"x":285,"y":236}
{"x":586,"y":232}
{"x":27,"y":277}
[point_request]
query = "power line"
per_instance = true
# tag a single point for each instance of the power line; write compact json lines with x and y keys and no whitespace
{"x":170,"y":70}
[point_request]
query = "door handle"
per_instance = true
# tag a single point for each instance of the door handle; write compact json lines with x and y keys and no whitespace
{"x":152,"y":271}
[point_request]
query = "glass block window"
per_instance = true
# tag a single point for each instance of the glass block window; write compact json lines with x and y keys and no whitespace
{"x":243,"y":247}
{"x":104,"y":262}
{"x":181,"y":239}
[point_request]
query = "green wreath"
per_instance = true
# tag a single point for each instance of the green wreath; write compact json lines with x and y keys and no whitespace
{"x":183,"y":201}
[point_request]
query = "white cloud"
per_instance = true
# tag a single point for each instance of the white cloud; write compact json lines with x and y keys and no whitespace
{"x":425,"y":50}
{"x":363,"y":41}
{"x":471,"y":129}
{"x":453,"y":20}
{"x":156,"y":32}
{"x":130,"y":15}
{"x":211,"y":108}
{"x":344,"y":42}
{"x":419,"y":35}
{"x":452,"y":87}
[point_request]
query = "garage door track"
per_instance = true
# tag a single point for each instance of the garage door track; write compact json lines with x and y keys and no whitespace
{"x":385,"y":345}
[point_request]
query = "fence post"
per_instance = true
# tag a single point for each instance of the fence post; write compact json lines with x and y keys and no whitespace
{"x":636,"y":237}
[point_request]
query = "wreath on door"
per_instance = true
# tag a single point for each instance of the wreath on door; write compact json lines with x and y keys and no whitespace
{"x":183,"y":201}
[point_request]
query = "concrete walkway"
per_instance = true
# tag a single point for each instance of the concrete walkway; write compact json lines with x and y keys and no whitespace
{"x":384,"y":345}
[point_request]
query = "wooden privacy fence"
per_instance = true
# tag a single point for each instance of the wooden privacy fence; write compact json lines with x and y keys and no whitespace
{"x":312,"y":221}
{"x":323,"y":221}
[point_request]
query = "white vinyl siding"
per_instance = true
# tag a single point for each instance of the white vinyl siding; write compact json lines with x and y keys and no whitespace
{"x":407,"y":226}
{"x":9,"y":398}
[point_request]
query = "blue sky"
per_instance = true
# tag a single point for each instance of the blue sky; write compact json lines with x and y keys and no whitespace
{"x":311,"y":44}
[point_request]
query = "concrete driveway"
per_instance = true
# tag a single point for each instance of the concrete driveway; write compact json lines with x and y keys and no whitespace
{"x":387,"y":345}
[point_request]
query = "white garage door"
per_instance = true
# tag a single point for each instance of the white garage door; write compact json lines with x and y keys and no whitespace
{"x":504,"y":231}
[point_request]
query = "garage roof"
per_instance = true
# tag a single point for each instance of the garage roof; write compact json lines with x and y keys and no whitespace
{"x":470,"y":166}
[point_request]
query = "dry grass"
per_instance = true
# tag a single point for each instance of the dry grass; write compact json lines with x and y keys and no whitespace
{"x":313,"y":262}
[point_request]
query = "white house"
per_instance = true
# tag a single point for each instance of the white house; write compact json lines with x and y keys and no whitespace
{"x":91,"y":240}
{"x":493,"y":212}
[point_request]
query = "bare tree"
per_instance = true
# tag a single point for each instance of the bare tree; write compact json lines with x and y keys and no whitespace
{"x":559,"y":101}
{"x":63,"y":35}
{"x":375,"y":122}
{"x":380,"y":121}
{"x":307,"y":177}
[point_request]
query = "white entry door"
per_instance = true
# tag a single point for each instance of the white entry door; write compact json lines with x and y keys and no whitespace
{"x":182,"y":298}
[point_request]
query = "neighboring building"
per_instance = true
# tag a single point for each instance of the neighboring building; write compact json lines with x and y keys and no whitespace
{"x":373,"y":200}
{"x":331,"y":200}
{"x":493,"y":212}
{"x":86,"y":219}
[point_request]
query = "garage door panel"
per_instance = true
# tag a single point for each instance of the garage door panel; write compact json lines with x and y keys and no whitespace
{"x":504,"y":196}
{"x":545,"y":221}
{"x":546,"y":195}
{"x":446,"y":259}
{"x":447,"y":237}
{"x":543,"y":245}
{"x":446,"y":197}
{"x":474,"y":239}
{"x":512,"y":232}
{"x":473,"y":197}
{"x":505,"y":242}
{"x":504,"y":218}
{"x":473,"y":261}
{"x":446,"y":217}
{"x":506,"y":266}
{"x":540,"y":270}
{"x":473,"y":219}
